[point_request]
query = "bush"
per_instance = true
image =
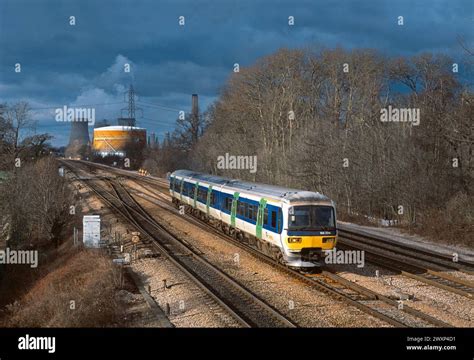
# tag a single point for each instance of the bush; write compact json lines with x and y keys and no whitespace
{"x":452,"y":224}
{"x":87,"y":278}
{"x":35,"y":202}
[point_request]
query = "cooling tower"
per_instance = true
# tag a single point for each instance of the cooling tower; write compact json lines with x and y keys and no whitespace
{"x":79,"y":133}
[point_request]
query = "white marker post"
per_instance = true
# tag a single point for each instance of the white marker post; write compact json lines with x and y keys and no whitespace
{"x":91,"y":231}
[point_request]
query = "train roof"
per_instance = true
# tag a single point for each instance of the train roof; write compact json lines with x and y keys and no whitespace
{"x":282,"y":193}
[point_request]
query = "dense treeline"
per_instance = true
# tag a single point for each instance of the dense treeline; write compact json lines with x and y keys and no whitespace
{"x":18,"y":140}
{"x":314,"y":122}
{"x":34,"y":199}
{"x":34,"y":203}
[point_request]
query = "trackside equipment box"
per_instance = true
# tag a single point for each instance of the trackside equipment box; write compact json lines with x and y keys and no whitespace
{"x":91,"y":231}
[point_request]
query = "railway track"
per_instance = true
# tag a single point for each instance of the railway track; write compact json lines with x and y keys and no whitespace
{"x":368,"y":301}
{"x":415,"y":271}
{"x":416,"y":267}
{"x":335,"y":285}
{"x":423,"y":257}
{"x":244,"y":306}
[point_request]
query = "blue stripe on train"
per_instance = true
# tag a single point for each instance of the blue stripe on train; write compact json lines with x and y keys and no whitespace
{"x":188,"y":191}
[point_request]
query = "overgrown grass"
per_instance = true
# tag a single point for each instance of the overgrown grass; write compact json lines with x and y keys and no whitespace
{"x":80,"y":292}
{"x":452,"y":224}
{"x":449,"y":225}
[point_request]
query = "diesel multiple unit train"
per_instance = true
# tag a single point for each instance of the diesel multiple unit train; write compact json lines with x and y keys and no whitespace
{"x":292,"y":226}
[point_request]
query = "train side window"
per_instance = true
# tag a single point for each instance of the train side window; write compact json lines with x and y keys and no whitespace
{"x":241,"y":208}
{"x":265,"y":216}
{"x":202,"y":195}
{"x":228,"y":203}
{"x":274,"y":219}
{"x":253,"y":210}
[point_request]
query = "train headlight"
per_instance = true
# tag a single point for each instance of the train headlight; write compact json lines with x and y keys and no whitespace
{"x":294,"y":240}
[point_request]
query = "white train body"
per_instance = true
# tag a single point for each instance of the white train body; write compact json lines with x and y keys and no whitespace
{"x":290,"y":225}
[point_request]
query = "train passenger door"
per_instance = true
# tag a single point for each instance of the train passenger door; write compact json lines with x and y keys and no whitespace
{"x":233,"y":211}
{"x":208,"y":200}
{"x":261,"y":210}
{"x":172,"y":180}
{"x":196,"y":188}
{"x":181,"y":190}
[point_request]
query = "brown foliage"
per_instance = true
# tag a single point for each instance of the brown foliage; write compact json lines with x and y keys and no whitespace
{"x":305,"y":117}
{"x":35,"y":203}
{"x":87,"y":278}
{"x":337,"y":116}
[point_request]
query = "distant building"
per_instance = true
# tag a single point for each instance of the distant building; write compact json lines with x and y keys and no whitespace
{"x":114,"y":140}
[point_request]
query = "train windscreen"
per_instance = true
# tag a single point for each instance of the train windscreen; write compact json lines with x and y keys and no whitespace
{"x":311,"y":217}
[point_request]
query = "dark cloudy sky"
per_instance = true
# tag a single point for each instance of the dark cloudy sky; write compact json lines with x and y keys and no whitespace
{"x":83,"y":64}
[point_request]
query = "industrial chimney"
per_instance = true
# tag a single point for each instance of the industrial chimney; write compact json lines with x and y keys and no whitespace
{"x":195,"y":108}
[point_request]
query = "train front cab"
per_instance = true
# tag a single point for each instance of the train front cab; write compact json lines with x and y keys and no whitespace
{"x":309,"y":230}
